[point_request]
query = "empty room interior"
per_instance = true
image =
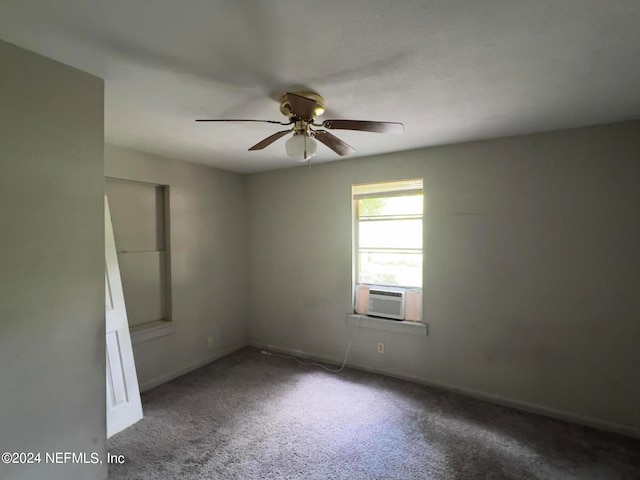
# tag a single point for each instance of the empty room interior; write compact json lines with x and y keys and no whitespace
{"x":295,"y":239}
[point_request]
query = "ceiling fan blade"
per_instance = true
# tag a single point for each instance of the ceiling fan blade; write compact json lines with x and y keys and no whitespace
{"x":242,"y":120}
{"x":301,"y":107}
{"x":269,"y":140}
{"x":392,"y":128}
{"x":333,"y":142}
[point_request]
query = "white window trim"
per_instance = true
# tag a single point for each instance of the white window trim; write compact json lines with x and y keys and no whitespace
{"x":389,"y":189}
{"x":389,"y":325}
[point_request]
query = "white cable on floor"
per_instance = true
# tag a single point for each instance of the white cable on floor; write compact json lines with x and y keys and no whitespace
{"x":312,"y":364}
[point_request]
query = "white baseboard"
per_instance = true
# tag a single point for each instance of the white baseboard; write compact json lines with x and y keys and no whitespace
{"x":508,"y":402}
{"x":182,"y":371}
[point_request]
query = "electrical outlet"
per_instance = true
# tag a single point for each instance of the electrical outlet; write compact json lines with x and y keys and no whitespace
{"x":380,"y":347}
{"x":210,"y":341}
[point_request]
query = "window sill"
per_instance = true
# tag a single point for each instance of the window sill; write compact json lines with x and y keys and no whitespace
{"x":152,"y":330}
{"x":410,"y":328}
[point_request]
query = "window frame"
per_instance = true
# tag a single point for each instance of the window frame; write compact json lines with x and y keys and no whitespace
{"x":386,"y":189}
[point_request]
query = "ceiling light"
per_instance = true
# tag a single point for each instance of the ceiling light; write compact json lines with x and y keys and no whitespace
{"x":301,"y":147}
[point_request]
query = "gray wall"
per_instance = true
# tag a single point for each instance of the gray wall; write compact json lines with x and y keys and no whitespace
{"x":208,"y":261}
{"x":52,"y":359}
{"x":531,"y":274}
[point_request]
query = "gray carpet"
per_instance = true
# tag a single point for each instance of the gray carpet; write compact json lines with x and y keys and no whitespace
{"x":250,"y":416}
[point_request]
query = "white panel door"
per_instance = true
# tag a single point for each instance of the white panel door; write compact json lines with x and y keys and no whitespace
{"x":124,"y":407}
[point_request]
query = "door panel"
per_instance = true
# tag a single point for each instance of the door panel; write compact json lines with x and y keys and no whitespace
{"x":124,"y":407}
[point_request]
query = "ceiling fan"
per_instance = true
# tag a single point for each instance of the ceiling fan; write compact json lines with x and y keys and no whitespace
{"x":302,"y":108}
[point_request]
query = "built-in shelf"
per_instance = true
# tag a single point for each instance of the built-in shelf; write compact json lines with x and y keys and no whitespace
{"x":149,"y":331}
{"x":409,"y":328}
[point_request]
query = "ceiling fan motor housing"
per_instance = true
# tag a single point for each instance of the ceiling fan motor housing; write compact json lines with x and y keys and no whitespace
{"x":285,"y":106}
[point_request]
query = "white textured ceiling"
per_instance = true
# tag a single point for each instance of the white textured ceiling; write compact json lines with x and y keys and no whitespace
{"x":450,"y":70}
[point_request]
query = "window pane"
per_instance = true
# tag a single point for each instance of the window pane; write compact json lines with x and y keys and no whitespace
{"x":405,"y":205}
{"x":400,"y":269}
{"x":390,"y":234}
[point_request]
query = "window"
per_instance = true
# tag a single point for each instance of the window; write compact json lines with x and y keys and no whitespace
{"x":388,"y":234}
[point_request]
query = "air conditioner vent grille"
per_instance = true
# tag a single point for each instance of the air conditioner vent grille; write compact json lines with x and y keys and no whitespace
{"x":386,"y":303}
{"x":388,"y":293}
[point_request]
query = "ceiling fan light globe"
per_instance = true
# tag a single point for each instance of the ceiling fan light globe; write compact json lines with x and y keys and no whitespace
{"x":300,"y":144}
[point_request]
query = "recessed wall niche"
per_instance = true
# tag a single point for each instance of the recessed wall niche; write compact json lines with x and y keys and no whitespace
{"x":139,"y":213}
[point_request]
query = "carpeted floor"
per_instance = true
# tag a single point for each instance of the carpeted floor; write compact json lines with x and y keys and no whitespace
{"x":250,"y":416}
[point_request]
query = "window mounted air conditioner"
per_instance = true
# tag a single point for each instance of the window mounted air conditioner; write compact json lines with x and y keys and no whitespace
{"x":386,"y":303}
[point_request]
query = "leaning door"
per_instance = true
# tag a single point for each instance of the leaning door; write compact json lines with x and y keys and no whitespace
{"x":124,"y":407}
